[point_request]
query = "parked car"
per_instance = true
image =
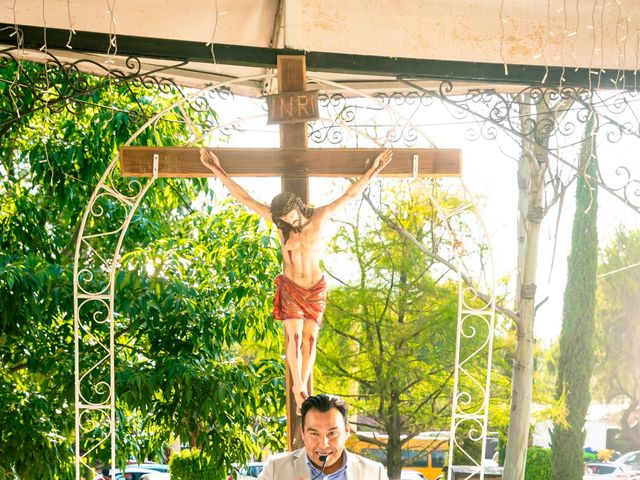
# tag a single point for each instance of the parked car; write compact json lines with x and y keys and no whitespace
{"x":133,"y":472}
{"x":411,"y":475}
{"x":631,"y":460}
{"x":603,"y":470}
{"x":155,"y":476}
{"x":250,"y":471}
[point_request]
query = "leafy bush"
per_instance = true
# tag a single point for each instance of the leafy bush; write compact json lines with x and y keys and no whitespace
{"x":538,"y":464}
{"x":194,"y":465}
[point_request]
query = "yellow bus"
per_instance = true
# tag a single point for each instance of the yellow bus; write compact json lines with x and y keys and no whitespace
{"x":425,"y":453}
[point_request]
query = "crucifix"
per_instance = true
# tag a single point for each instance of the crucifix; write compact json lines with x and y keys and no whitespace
{"x":292,"y":107}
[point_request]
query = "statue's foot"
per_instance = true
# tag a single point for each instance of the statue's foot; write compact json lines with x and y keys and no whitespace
{"x":300,"y":395}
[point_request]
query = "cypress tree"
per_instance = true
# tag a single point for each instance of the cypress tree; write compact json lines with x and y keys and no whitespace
{"x":576,"y":338}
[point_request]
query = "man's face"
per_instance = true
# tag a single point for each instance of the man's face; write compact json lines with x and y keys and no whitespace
{"x":324,"y":433}
{"x":293,"y":218}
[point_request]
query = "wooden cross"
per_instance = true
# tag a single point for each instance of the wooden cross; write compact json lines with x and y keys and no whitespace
{"x":293,"y":162}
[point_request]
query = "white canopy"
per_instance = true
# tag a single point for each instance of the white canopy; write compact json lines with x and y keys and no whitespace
{"x":596,"y":34}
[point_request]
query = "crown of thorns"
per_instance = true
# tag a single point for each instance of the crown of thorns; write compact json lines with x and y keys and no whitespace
{"x":292,"y":202}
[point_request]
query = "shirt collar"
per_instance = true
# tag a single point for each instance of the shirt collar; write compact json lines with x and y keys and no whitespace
{"x":315,"y":471}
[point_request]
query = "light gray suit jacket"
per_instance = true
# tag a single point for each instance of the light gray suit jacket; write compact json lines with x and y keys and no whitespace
{"x":293,"y":465}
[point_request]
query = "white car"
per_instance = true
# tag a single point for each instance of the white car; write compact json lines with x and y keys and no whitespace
{"x":155,"y":476}
{"x":250,"y":471}
{"x":630,"y":460}
{"x":411,"y":475}
{"x":605,"y":471}
{"x":135,"y":472}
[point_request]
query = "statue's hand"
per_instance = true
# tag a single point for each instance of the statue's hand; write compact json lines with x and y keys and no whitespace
{"x":380,"y":162}
{"x":210,"y":161}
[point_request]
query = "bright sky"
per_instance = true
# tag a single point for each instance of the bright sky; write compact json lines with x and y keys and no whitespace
{"x":490,"y":174}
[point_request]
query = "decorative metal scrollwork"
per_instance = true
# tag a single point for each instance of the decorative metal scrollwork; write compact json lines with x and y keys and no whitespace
{"x":553,"y":126}
{"x":96,"y":261}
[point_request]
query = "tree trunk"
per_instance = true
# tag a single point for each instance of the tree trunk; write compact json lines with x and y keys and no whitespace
{"x":531,"y":172}
{"x":394,"y":431}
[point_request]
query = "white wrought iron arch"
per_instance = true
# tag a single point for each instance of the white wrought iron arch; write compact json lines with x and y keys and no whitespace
{"x":94,"y":306}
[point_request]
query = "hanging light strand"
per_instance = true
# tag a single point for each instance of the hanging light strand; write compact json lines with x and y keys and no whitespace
{"x":44,"y":47}
{"x":619,"y":44}
{"x":16,"y":78}
{"x":627,"y":27}
{"x":112,"y":50}
{"x":593,"y":44}
{"x":565,"y":27}
{"x":601,"y":71}
{"x":16,"y":31}
{"x":211,"y":43}
{"x":635,"y":69}
{"x":574,"y":36}
{"x":502,"y":37}
{"x":546,"y":40}
{"x":72,"y":32}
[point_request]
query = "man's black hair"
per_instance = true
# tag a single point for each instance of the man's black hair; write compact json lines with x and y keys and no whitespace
{"x":282,"y":204}
{"x":323,"y":403}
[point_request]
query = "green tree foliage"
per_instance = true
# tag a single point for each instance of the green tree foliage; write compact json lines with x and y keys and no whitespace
{"x":194,"y":286}
{"x":181,"y":362}
{"x":576,"y":359}
{"x":617,"y":372}
{"x":388,"y":343}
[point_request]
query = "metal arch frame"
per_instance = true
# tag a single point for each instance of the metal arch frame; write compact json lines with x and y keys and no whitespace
{"x":82,"y":296}
{"x":103,"y":390}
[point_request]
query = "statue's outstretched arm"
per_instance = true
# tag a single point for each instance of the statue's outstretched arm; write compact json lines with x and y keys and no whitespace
{"x":212,"y":162}
{"x":357,"y":187}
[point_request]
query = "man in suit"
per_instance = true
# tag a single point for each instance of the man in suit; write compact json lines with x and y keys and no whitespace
{"x":325,"y":429}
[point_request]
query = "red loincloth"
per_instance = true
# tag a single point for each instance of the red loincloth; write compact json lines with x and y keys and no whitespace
{"x":292,"y":302}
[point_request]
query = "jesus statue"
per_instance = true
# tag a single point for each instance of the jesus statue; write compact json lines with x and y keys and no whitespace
{"x":300,"y":298}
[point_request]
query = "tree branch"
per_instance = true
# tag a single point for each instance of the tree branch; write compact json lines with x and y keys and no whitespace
{"x":401,"y":231}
